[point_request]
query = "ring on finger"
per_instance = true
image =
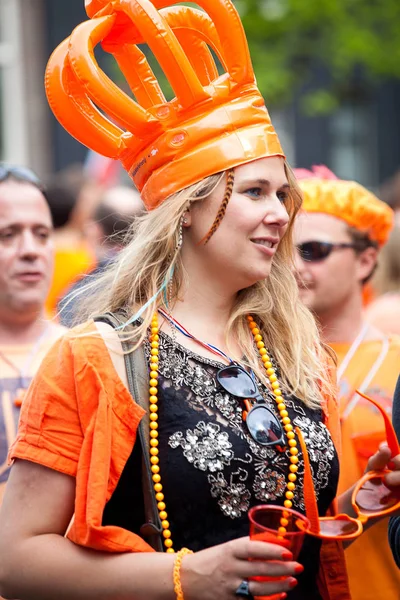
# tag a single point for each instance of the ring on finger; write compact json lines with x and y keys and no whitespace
{"x":243,"y":590}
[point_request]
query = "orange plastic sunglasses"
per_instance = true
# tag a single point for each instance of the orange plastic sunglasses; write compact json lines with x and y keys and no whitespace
{"x":370,"y":498}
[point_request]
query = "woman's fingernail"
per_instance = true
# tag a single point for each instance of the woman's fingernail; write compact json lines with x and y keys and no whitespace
{"x":283,"y":596}
{"x":287,"y":556}
{"x":299,"y":569}
{"x":292,"y":583}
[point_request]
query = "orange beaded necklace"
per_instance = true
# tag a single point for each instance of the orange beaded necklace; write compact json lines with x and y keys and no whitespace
{"x":283,"y":413}
{"x":153,"y":410}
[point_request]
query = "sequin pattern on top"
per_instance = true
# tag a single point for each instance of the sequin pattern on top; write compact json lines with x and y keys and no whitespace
{"x":213,"y":439}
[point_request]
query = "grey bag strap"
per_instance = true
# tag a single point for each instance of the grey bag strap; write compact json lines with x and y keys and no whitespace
{"x":138,"y":380}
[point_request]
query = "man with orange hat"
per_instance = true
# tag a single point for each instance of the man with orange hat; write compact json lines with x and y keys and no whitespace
{"x":338,"y":236}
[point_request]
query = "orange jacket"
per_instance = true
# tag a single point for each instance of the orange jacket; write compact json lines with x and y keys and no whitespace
{"x":79,"y":418}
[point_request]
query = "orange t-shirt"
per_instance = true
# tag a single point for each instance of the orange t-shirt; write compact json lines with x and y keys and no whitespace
{"x":80,"y":419}
{"x":372,"y":571}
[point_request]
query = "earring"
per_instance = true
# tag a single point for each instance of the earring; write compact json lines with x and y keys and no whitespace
{"x":183,"y":221}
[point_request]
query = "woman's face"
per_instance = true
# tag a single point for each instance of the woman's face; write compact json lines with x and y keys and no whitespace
{"x":241,"y":251}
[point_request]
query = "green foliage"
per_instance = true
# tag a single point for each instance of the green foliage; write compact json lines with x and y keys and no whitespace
{"x":288,"y":38}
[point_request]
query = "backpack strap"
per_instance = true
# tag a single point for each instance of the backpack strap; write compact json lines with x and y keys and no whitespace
{"x":138,"y":379}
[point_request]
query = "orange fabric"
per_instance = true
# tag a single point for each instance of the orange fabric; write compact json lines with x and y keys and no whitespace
{"x":93,"y":439}
{"x":70,"y":264}
{"x":362,"y":431}
{"x":95,"y":436}
{"x":368,"y":294}
{"x":214,"y":123}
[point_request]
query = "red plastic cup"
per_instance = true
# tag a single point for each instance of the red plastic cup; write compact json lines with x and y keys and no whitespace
{"x":265,"y":521}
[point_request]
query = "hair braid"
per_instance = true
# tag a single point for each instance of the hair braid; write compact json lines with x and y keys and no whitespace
{"x":222,"y":209}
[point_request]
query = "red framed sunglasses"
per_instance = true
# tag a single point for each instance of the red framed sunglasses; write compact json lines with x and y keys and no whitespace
{"x":371,"y":497}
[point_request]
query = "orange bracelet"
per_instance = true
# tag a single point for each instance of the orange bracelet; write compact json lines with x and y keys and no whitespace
{"x":177,"y":572}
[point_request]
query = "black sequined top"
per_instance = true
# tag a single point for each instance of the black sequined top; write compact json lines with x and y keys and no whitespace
{"x":213,"y":471}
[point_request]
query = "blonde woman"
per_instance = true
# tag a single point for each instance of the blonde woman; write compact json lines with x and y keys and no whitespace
{"x":244,"y":268}
{"x":204,"y":292}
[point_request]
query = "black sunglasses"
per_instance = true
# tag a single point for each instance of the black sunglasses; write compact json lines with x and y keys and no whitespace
{"x":264,"y":427}
{"x":19,"y":173}
{"x":316,"y":251}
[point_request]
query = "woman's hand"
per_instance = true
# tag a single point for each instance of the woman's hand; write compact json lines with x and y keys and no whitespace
{"x":217,"y":572}
{"x":383,"y":460}
{"x":380,"y":461}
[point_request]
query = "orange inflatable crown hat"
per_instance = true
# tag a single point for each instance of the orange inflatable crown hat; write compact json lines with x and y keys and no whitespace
{"x":215,"y":122}
{"x":323,"y":192}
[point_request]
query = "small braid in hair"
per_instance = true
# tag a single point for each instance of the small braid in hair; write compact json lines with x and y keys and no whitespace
{"x":222,"y":209}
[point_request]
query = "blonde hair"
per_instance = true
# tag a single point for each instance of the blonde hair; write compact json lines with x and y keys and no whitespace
{"x":287,"y":326}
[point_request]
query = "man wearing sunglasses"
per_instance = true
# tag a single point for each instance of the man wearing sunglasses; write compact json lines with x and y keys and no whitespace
{"x":26,"y":268}
{"x":338,"y":237}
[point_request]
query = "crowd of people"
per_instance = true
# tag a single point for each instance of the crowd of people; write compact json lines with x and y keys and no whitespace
{"x":178,"y":351}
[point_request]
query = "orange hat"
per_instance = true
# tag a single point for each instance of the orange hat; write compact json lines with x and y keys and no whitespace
{"x":323,"y":192}
{"x":214,"y":123}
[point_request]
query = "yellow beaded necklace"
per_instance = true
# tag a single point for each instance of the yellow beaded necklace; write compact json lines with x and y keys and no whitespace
{"x":288,"y":427}
{"x":153,"y":410}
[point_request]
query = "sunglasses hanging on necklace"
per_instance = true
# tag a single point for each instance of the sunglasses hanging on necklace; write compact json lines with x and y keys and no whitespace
{"x":270,"y":434}
{"x":262,"y":424}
